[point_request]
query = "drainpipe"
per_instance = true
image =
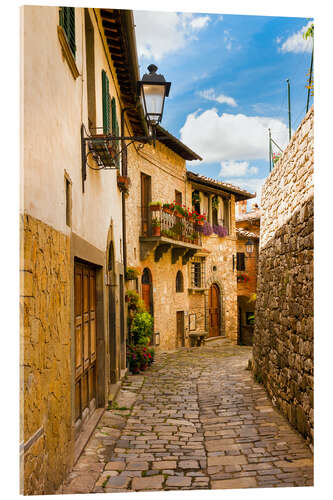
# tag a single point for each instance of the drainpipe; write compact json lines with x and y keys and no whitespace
{"x":123,"y":172}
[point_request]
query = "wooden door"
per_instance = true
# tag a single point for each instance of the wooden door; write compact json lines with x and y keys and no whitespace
{"x":145,"y":200}
{"x":146,"y":283}
{"x":85,"y":339}
{"x":214,"y":311}
{"x":180,"y":329}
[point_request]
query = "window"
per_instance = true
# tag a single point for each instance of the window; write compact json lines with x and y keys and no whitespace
{"x":179,"y":282}
{"x":178,"y":197}
{"x":67,"y":22}
{"x":240,"y":261}
{"x":68,"y":194}
{"x":196,"y":201}
{"x":226,"y":215}
{"x":198,"y":273}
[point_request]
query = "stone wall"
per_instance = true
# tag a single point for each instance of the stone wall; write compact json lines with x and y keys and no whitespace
{"x":45,"y":426}
{"x":283,"y":337}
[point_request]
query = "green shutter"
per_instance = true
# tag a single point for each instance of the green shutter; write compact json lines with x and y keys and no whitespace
{"x":115,"y":127}
{"x":67,"y":22}
{"x":106,"y":103}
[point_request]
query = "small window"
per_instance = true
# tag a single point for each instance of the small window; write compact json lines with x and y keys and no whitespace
{"x":196,"y":201}
{"x":67,"y":22}
{"x":179,"y":282}
{"x":226,"y":215}
{"x":178,"y":197}
{"x":197,"y":273}
{"x":68,"y":194}
{"x":240,"y":261}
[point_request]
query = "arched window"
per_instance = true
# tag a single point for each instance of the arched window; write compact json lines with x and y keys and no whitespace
{"x":146,"y":277}
{"x":111,"y":257}
{"x":179,"y":282}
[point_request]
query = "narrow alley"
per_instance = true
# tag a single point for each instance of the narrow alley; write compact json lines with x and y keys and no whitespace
{"x":195,"y":420}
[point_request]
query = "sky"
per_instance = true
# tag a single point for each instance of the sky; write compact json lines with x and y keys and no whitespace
{"x":228,"y":86}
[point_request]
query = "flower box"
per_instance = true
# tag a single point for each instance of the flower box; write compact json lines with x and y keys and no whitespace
{"x":123,"y":183}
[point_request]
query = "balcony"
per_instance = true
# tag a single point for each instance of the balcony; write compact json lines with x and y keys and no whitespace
{"x":163,"y":230}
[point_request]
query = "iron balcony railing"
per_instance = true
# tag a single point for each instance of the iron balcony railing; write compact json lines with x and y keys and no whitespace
{"x":169,"y":225}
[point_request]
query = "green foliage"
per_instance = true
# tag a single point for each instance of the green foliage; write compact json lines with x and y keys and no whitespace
{"x":215,"y":202}
{"x":142,"y":328}
{"x":309,"y":32}
{"x":131,"y":273}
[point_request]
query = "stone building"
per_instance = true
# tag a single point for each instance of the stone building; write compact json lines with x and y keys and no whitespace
{"x":79,"y":71}
{"x":188,"y":285}
{"x":283,"y":337}
{"x":247,"y":231}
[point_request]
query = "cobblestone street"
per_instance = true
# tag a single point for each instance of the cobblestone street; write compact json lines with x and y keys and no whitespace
{"x":195,"y":420}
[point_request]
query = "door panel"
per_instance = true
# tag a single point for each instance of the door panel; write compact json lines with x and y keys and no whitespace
{"x":214,"y":311}
{"x":180,"y":329}
{"x":145,"y":200}
{"x":85,"y":339}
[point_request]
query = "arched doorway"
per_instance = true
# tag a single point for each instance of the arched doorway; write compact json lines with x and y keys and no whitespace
{"x":214,"y":311}
{"x":147,"y":290}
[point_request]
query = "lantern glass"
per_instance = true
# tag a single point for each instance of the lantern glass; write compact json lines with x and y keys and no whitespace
{"x":249,"y":246}
{"x":153,"y":102}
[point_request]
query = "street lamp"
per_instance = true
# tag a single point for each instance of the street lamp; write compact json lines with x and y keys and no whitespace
{"x":249,"y":246}
{"x":153,"y":89}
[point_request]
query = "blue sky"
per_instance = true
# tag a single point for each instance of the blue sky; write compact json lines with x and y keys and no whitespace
{"x":228,"y":75}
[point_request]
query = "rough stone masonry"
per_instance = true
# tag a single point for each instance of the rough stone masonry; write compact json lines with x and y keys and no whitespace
{"x":283,"y":337}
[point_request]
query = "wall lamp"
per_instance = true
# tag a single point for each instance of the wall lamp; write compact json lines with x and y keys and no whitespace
{"x":151,"y":91}
{"x":249,"y":246}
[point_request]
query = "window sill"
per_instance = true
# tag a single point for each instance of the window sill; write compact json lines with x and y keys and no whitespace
{"x":67,"y":53}
{"x":197,"y":290}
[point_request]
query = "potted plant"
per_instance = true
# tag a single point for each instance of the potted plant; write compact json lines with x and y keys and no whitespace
{"x":123,"y":182}
{"x":131,"y":273}
{"x":156,"y":227}
{"x":155,"y":206}
{"x":167,"y":208}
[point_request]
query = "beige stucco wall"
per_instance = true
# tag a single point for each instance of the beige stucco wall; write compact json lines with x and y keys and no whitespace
{"x":54,"y":104}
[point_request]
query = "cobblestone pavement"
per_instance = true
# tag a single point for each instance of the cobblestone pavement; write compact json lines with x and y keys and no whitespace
{"x":195,"y":420}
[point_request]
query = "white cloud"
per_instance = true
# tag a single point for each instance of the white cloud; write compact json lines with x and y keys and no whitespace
{"x":236,"y":169}
{"x":238,"y":137}
{"x":200,"y":22}
{"x":251,"y":185}
{"x":161,"y":33}
{"x":296,"y":43}
{"x":211,"y":96}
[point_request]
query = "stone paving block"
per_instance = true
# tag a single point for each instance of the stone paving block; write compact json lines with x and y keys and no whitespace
{"x":120,"y":481}
{"x":243,"y":482}
{"x":147,"y":483}
{"x":178,"y":481}
{"x":188,"y":464}
{"x":137,"y":466}
{"x":164,"y":464}
{"x":227,"y":460}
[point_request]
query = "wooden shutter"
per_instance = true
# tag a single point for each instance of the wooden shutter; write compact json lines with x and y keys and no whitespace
{"x":115,"y":127}
{"x":67,"y":22}
{"x":106,"y":103}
